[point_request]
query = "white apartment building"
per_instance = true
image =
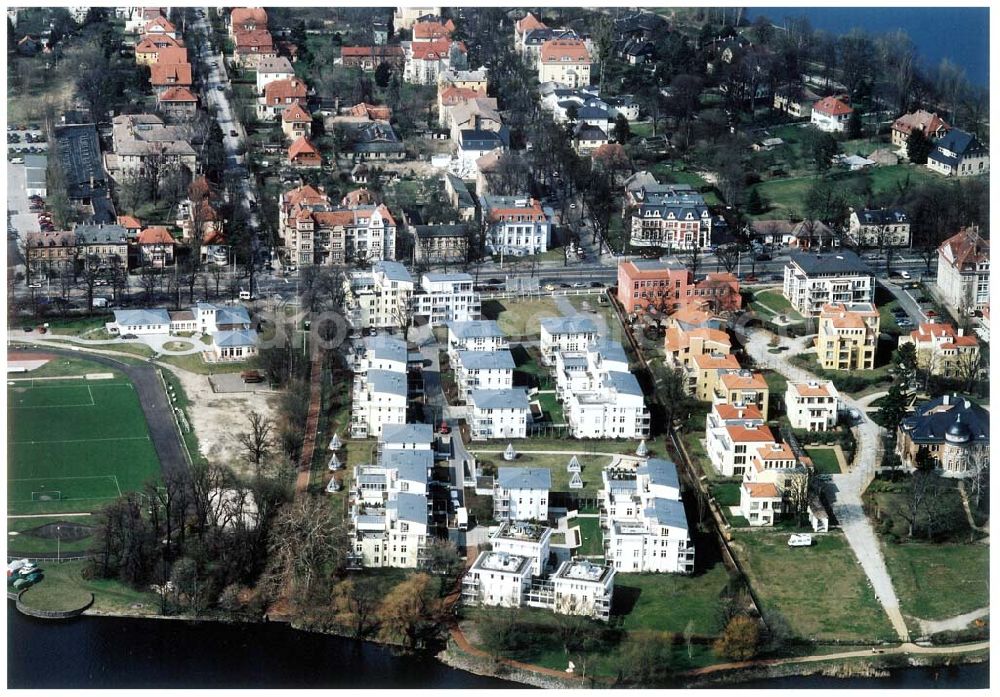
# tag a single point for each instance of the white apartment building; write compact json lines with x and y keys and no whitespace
{"x":447,"y":297}
{"x":761,"y":494}
{"x":521,"y":493}
{"x":475,"y":335}
{"x":497,"y":579}
{"x":814,"y":280}
{"x":566,"y":334}
{"x":379,"y":398}
{"x":380,"y":352}
{"x":389,"y":508}
{"x":601,"y":398}
{"x":381,"y":297}
{"x":643,"y":519}
{"x":730,"y":451}
{"x":880,"y":227}
{"x":583,"y":588}
{"x":518,"y":225}
{"x":406,"y":437}
{"x":963,"y":271}
{"x":812,"y":405}
{"x":524,"y":539}
{"x":566,"y":61}
{"x":483,"y":370}
{"x":498,"y":413}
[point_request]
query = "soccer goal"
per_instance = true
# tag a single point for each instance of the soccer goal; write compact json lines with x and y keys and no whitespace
{"x":50,"y":495}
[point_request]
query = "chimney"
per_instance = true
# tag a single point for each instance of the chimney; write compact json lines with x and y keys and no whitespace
{"x":961,"y":332}
{"x":945,"y":400}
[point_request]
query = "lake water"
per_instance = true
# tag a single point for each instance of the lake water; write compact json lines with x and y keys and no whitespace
{"x":108,"y":652}
{"x":960,"y":34}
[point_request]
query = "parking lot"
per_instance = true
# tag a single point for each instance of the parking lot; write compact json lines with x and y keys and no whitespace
{"x":26,"y":141}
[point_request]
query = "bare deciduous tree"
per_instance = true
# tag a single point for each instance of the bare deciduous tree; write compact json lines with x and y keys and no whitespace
{"x":258,"y":440}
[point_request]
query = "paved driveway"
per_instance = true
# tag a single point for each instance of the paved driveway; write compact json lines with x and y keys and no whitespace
{"x":844,"y":490}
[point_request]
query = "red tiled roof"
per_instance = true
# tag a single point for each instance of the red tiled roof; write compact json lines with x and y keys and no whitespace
{"x":129,"y":222}
{"x":154,"y":44}
{"x":822,"y":389}
{"x":736,"y":381}
{"x":366,"y":51}
{"x":155,"y":234}
{"x":295,"y":114}
{"x":967,"y":249}
{"x":277,"y":91}
{"x":260,"y":38}
{"x":527,"y":23}
{"x":555,"y":50}
{"x":177,"y":94}
{"x":371,"y":111}
{"x":742,"y":434}
{"x":730,"y":412}
{"x":761,"y":490}
{"x":435,"y":50}
{"x":711,"y":362}
{"x":301,"y":146}
{"x":162,"y":75}
{"x":358,"y":197}
{"x":929,"y":123}
{"x":252,"y":15}
{"x":304,"y":194}
{"x":161,"y":22}
{"x":832,"y":107}
{"x":430,"y":31}
{"x":172,"y":55}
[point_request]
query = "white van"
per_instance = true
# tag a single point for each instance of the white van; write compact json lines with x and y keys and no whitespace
{"x":245,"y":295}
{"x":100,"y":302}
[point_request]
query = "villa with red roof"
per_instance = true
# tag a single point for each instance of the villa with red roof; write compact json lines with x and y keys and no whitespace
{"x":302,"y":153}
{"x":296,"y":122}
{"x":942,"y":349}
{"x":177,"y":102}
{"x":831,"y":115}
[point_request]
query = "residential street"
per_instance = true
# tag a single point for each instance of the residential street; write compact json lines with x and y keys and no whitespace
{"x":844,"y":490}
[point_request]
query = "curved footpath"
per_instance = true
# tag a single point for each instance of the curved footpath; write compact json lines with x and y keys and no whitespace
{"x":844,"y":490}
{"x":155,"y":407}
{"x":155,"y":342}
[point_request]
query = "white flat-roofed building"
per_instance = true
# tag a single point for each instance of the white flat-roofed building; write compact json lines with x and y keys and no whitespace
{"x":475,"y":335}
{"x":521,"y":493}
{"x":497,"y":579}
{"x":524,"y":539}
{"x":379,"y":398}
{"x":484,"y":370}
{"x":812,"y":405}
{"x":447,"y":297}
{"x":581,"y":371}
{"x":499,"y":413}
{"x":565,"y":334}
{"x":583,"y":588}
{"x":814,"y":280}
{"x":381,"y":297}
{"x":643,"y":518}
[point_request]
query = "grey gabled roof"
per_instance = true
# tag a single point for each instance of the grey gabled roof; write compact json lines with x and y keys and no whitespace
{"x":569,"y":325}
{"x":407,"y":433}
{"x":842,"y":261}
{"x":384,"y":347}
{"x":668,"y":512}
{"x":237,"y":337}
{"x":393,"y":270}
{"x":477,"y":328}
{"x":411,"y":464}
{"x":431,"y":231}
{"x":410,"y":507}
{"x":524,"y":478}
{"x":100,"y":234}
{"x":514,"y":398}
{"x":486,"y":360}
{"x":141,"y":317}
{"x":387,"y":382}
{"x":663,"y":472}
{"x":449,"y":277}
{"x":883,"y":216}
{"x":624,"y":383}
{"x":610,"y":350}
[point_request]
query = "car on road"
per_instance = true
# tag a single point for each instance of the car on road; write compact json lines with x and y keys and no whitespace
{"x":28,"y":328}
{"x":233,"y":132}
{"x":549,"y":286}
{"x":578,"y":284}
{"x":596,"y":284}
{"x":572,"y":205}
{"x":129,"y":337}
{"x":219,"y":88}
{"x":904,"y":275}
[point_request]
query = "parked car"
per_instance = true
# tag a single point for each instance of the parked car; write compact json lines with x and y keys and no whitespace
{"x":129,"y":337}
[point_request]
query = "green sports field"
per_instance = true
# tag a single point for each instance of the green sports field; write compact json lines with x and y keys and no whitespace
{"x":75,"y":444}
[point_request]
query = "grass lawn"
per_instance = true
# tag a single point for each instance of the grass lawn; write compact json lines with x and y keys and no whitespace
{"x":587,"y":447}
{"x":825,"y":460}
{"x":821,"y":590}
{"x":726,"y":493}
{"x":193,"y":363}
{"x":936,"y":581}
{"x":592,"y":541}
{"x":556,"y":464}
{"x":31,"y":539}
{"x":109,"y":596}
{"x":776,"y":302}
{"x":75,"y":326}
{"x":856,"y":380}
{"x":520,"y":317}
{"x":551,"y":407}
{"x":55,"y":596}
{"x":668,"y":602}
{"x":75,"y":445}
{"x":182,"y":402}
{"x":588,"y":304}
